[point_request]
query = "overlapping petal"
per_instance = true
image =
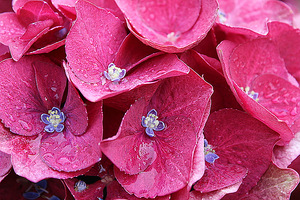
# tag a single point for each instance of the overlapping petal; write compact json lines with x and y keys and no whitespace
{"x":171,"y":26}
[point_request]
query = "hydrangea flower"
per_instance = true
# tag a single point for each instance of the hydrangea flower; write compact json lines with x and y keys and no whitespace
{"x":159,"y":137}
{"x":239,"y":152}
{"x":33,"y":28}
{"x":103,"y":63}
{"x":63,"y":139}
{"x":277,"y":91}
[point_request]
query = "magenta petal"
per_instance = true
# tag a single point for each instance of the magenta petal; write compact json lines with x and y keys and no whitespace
{"x":276,"y":183}
{"x":21,"y":104}
{"x":26,"y":160}
{"x":254,"y":14}
{"x":34,"y":11}
{"x":5,"y":166}
{"x":75,"y":111}
{"x":171,"y":26}
{"x":173,"y":148}
{"x":132,"y":51}
{"x":278,"y":96}
{"x":256,"y":57}
{"x":218,"y":176}
{"x":148,"y":72}
{"x":239,"y":139}
{"x":255,"y":109}
{"x":35,"y":28}
{"x":93,"y":42}
{"x":51,"y":83}
{"x":131,"y":135}
{"x":187,"y":95}
{"x":67,"y":152}
{"x":287,"y":39}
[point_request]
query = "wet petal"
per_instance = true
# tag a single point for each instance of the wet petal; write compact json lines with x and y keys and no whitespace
{"x":68,"y":152}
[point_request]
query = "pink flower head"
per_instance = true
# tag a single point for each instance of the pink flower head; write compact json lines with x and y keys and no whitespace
{"x":34,"y":28}
{"x":60,"y":136}
{"x":261,"y":83}
{"x":170,"y":26}
{"x":237,"y":148}
{"x":158,"y":137}
{"x":103,"y":63}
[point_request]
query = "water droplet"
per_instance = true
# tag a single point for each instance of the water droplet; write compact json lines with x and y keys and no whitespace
{"x":294,"y":112}
{"x":53,"y":89}
{"x":25,"y":125}
{"x":110,"y":51}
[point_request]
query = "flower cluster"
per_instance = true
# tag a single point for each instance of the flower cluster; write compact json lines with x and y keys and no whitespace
{"x":149,"y":99}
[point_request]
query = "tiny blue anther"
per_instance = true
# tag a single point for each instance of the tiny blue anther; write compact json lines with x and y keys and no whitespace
{"x":54,"y":120}
{"x":41,"y":186}
{"x":31,"y":195}
{"x":211,"y":157}
{"x":209,"y":154}
{"x":114,"y":73}
{"x":151,"y":123}
{"x":80,"y":186}
{"x":53,"y":197}
{"x":205,"y":143}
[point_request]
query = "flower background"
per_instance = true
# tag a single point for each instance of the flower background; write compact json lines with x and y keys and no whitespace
{"x":149,"y":99}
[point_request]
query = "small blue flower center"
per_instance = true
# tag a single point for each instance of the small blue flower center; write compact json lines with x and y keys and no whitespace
{"x":209,"y":154}
{"x":251,"y":94}
{"x":80,"y":186}
{"x":114,"y":73}
{"x":151,"y":123}
{"x":54,"y":120}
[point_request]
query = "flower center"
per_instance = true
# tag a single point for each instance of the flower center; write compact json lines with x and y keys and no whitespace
{"x":209,"y":153}
{"x":251,"y":94}
{"x":114,"y":73}
{"x":54,"y":120}
{"x":80,"y":186}
{"x":222,"y":16}
{"x":151,"y":123}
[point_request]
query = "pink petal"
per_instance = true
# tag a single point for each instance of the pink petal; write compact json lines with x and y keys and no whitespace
{"x":132,"y":52}
{"x":287,"y":39}
{"x":237,"y":143}
{"x":21,"y":102}
{"x":93,"y":42}
{"x":67,"y":152}
{"x":224,"y":50}
{"x":276,"y":183}
{"x":170,"y":170}
{"x":75,"y":112}
{"x":253,"y":58}
{"x":147,"y":72}
{"x":116,"y":191}
{"x":167,"y":26}
{"x":278,"y":96}
{"x":27,"y":162}
{"x":34,"y":11}
{"x":34,"y":29}
{"x":51,"y":83}
{"x":255,"y":14}
{"x":218,"y":194}
{"x":5,"y":166}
